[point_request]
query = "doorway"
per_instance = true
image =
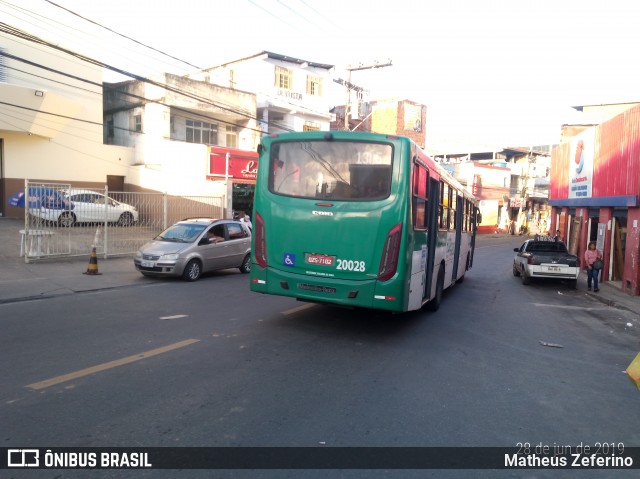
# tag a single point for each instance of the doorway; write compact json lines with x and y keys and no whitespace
{"x":242,"y":198}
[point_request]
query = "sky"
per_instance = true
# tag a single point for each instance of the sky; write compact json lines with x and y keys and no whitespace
{"x":491,"y":73}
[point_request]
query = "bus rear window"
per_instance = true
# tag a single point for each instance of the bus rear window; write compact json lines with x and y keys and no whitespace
{"x":336,"y":170}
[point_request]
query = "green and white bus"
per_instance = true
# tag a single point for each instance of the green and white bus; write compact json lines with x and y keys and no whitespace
{"x":358,"y":220}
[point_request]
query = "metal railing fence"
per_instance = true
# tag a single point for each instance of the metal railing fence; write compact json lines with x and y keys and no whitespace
{"x":61,"y":220}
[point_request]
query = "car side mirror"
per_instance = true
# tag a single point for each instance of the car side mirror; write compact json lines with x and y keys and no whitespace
{"x":517,"y":250}
{"x":204,"y":241}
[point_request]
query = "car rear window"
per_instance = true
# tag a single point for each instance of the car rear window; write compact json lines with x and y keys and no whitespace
{"x":547,"y":247}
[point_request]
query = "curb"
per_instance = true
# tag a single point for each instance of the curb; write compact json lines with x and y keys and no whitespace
{"x":607,"y":301}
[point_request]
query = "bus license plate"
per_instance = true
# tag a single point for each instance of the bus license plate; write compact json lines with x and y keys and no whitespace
{"x":320,"y":259}
{"x":316,"y":288}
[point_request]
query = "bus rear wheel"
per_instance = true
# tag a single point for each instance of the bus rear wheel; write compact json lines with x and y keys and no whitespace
{"x":434,"y":304}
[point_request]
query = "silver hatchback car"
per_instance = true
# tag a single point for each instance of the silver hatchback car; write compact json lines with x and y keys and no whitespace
{"x":194,"y":246}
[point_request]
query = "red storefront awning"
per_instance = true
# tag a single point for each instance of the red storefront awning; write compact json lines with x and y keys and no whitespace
{"x":243,"y":165}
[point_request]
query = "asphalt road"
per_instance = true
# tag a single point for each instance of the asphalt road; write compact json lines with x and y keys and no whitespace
{"x":211,"y":364}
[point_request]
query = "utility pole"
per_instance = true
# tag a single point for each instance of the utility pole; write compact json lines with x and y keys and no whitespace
{"x":350,"y":86}
{"x":524,"y":195}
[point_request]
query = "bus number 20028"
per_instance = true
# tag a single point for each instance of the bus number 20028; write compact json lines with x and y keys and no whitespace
{"x":350,"y":265}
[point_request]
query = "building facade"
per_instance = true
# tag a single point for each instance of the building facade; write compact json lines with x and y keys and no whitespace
{"x":595,"y":182}
{"x":291,"y":94}
{"x":51,"y":123}
{"x":394,"y":117}
{"x":510,"y":184}
{"x":171,"y":121}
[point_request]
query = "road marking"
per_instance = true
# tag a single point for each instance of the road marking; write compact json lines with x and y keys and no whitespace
{"x":561,"y":306}
{"x":111,"y":364}
{"x":176,"y":316}
{"x":299,"y":308}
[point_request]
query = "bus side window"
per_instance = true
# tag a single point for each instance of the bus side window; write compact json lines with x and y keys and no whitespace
{"x":453,"y":203}
{"x":420,"y":198}
{"x":444,"y":205}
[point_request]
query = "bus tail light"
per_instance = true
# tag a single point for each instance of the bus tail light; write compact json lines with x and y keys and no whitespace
{"x":260,"y":241}
{"x":390,"y":253}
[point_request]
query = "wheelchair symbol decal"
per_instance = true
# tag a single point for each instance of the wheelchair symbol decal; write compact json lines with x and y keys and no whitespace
{"x":289,"y":259}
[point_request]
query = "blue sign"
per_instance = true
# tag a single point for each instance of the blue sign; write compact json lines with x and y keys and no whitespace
{"x":289,"y":259}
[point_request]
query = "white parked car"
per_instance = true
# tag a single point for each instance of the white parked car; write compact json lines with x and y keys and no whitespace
{"x":545,"y":257}
{"x":89,"y":207}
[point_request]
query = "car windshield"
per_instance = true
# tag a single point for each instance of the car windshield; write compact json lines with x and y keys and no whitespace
{"x":181,"y":233}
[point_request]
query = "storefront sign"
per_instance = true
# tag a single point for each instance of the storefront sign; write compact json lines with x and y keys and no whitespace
{"x":515,"y":203}
{"x":581,"y":164}
{"x":242,"y":164}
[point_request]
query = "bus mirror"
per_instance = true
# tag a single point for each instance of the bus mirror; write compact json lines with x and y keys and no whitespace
{"x":259,"y":148}
{"x":479,"y":217}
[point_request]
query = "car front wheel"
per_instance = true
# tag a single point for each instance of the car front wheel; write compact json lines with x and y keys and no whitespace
{"x":66,"y":219}
{"x":245,"y":267}
{"x":192,"y":271}
{"x":126,"y":219}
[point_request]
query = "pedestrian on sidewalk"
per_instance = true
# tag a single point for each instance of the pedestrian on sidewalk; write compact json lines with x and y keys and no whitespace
{"x":593,"y":259}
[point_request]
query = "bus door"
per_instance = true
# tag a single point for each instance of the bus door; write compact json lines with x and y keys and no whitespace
{"x":432,"y":233}
{"x":459,"y":209}
{"x":476,"y":219}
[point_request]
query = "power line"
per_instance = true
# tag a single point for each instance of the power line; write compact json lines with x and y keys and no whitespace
{"x":122,"y":35}
{"x":136,"y":41}
{"x":61,"y":145}
{"x":298,"y":14}
{"x":52,"y":80}
{"x":273,"y":15}
{"x":64,"y":29}
{"x":334,"y":25}
{"x":189,"y":113}
{"x":50,"y":113}
{"x":16,"y":32}
{"x":20,"y":34}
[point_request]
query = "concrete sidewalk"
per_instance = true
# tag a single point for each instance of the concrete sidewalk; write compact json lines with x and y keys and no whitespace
{"x":20,"y":281}
{"x":609,"y":293}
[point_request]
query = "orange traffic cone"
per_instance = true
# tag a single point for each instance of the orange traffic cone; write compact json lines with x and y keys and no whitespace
{"x":93,"y":263}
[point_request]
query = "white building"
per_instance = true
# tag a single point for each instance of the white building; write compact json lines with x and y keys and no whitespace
{"x":51,"y":122}
{"x":170,"y":121}
{"x":291,"y":94}
{"x":59,"y":123}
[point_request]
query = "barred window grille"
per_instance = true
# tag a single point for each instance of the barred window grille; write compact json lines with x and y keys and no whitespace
{"x":3,"y":66}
